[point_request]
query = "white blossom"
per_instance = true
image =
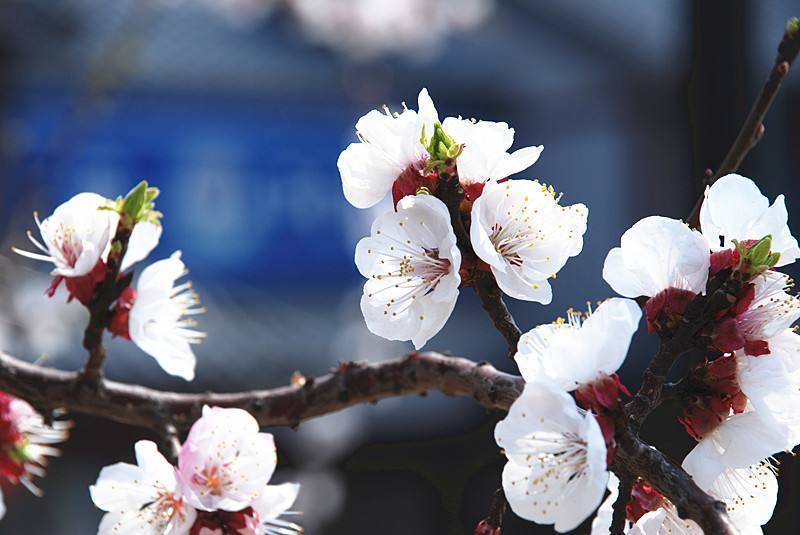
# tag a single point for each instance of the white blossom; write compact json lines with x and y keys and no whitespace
{"x":389,"y":145}
{"x":556,"y":470}
{"x":273,"y":504}
{"x":657,"y":253}
{"x":76,"y":235}
{"x":526,"y":237}
{"x":772,"y":384}
{"x":142,"y":498}
{"x":735,"y":209}
{"x":574,"y":352}
{"x":411,"y":261}
{"x":749,"y":492}
{"x":664,"y":521}
{"x":485,"y":155}
{"x":772,"y":310}
{"x":741,"y":441}
{"x":156,"y":323}
{"x":226,"y":462}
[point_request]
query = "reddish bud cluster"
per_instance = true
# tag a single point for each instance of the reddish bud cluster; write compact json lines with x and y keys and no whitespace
{"x":118,"y":326}
{"x":644,"y":498}
{"x":727,"y":336}
{"x":603,"y":396}
{"x":485,"y":528}
{"x":412,"y":179}
{"x":665,"y":309}
{"x":11,"y":463}
{"x":80,"y":288}
{"x":715,"y":392}
{"x":244,"y":522}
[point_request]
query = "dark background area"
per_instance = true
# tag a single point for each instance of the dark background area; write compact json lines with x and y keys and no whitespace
{"x":237,"y":111}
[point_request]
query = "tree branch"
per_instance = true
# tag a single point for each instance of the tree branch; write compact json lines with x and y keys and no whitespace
{"x":699,"y":312}
{"x":348,"y":385}
{"x":99,"y":307}
{"x":753,"y":128}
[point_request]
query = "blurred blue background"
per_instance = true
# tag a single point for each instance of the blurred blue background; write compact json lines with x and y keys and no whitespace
{"x":237,"y":111}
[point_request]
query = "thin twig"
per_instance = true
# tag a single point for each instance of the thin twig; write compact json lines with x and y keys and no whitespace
{"x":753,"y":128}
{"x":620,"y":513}
{"x":99,"y":308}
{"x":484,"y":283}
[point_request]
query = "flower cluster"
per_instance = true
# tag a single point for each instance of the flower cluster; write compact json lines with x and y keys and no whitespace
{"x":740,"y":402}
{"x":26,"y":441}
{"x":413,"y":261}
{"x":220,"y":486}
{"x":93,"y":242}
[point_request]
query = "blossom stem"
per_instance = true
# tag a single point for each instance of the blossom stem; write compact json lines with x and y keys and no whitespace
{"x":753,"y":128}
{"x":484,"y":284}
{"x":621,"y":504}
{"x":100,"y":308}
{"x":698,"y":314}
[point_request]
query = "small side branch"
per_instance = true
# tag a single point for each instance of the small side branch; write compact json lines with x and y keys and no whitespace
{"x":620,"y":513}
{"x":99,"y":308}
{"x":753,"y":128}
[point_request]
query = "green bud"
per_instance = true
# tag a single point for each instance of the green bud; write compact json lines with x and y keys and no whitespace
{"x":440,"y":147}
{"x":760,"y":251}
{"x":793,"y":26}
{"x":138,"y":204}
{"x":422,"y":190}
{"x":772,"y":260}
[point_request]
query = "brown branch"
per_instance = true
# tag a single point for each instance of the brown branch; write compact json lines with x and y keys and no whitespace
{"x":698,"y":314}
{"x":620,"y":512}
{"x":348,"y":385}
{"x":753,"y":128}
{"x":636,"y":457}
{"x":100,"y":307}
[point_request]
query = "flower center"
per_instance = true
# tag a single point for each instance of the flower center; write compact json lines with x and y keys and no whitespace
{"x":68,"y":244}
{"x":410,"y":272}
{"x":166,"y":507}
{"x":214,"y":479}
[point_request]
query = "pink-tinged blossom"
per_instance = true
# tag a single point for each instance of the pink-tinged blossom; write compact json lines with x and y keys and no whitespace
{"x":735,"y":209}
{"x":520,"y":229}
{"x":226,"y":463}
{"x":411,"y":262}
{"x":142,"y":499}
{"x":25,"y":443}
{"x":76,"y":236}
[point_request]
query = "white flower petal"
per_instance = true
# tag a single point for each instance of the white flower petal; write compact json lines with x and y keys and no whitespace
{"x":156,"y":322}
{"x":602,"y":520}
{"x":657,"y":253}
{"x":143,"y":240}
{"x":367,"y":176}
{"x":276,"y":500}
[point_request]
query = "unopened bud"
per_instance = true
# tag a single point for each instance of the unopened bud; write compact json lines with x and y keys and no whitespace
{"x":758,"y":253}
{"x":138,"y":205}
{"x":793,"y":26}
{"x":484,"y":528}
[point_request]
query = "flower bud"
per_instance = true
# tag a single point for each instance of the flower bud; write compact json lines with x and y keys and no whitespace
{"x":484,"y":528}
